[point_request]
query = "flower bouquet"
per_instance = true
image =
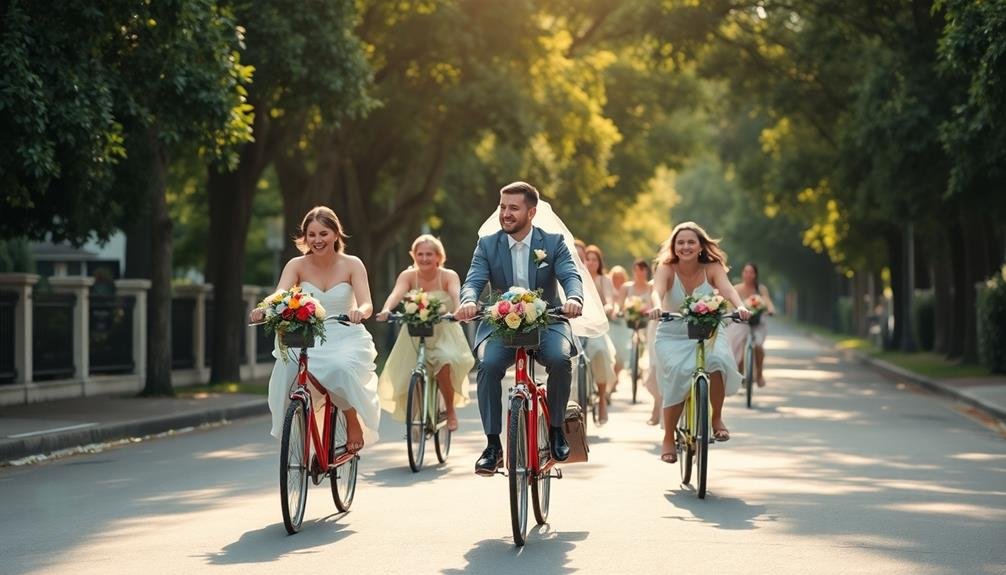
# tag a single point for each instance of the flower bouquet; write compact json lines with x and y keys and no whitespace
{"x":517,"y":315}
{"x":420,"y":312}
{"x":636,"y":312}
{"x":703,"y":314}
{"x":756,"y":305}
{"x":295,"y":316}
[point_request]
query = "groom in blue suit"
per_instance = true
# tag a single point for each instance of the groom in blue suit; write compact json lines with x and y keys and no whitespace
{"x":524,"y":256}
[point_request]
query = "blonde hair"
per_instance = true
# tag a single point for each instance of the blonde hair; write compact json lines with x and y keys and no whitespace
{"x":711,"y":251}
{"x":438,"y":247}
{"x":618,"y":271}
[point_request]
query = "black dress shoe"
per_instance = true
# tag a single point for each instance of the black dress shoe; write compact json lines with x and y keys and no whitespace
{"x":490,"y":461}
{"x":560,"y":449}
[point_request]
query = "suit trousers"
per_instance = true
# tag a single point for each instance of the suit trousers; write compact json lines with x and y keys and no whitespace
{"x":554,"y":353}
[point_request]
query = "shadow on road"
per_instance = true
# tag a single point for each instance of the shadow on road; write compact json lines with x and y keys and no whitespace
{"x":720,"y":512}
{"x":546,"y":551}
{"x":271,"y":543}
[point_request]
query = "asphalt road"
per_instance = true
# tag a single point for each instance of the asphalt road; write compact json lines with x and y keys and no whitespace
{"x":835,"y":470}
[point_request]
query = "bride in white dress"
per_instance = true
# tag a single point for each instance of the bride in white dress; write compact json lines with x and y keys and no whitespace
{"x":344,"y":363}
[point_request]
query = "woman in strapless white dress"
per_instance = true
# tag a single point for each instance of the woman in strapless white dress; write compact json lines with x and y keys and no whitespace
{"x":691,"y":262}
{"x":344,"y":363}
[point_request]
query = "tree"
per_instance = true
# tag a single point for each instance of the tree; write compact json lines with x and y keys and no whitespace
{"x":309,"y":73}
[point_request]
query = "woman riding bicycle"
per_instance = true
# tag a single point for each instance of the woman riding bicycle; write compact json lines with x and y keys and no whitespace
{"x":447,"y":352}
{"x":344,"y":363}
{"x":642,"y":287}
{"x":690,"y":262}
{"x":748,"y":288}
{"x":600,"y":349}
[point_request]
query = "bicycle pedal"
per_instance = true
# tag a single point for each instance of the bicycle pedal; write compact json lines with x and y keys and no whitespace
{"x":557,"y":473}
{"x":501,"y":472}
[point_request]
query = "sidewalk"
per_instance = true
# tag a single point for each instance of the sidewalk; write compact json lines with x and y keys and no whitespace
{"x":42,"y":428}
{"x":986,"y":394}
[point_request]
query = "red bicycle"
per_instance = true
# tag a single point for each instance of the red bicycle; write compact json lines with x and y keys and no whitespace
{"x":528,"y":454}
{"x":313,"y":443}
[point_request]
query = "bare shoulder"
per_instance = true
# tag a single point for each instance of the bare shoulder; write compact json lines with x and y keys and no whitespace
{"x":451,"y":275}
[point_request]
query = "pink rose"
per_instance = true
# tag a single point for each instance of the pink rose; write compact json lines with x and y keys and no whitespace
{"x":503,"y":307}
{"x":701,"y":308}
{"x":518,"y":308}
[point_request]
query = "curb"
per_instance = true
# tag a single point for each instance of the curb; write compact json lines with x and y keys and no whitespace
{"x":42,"y":444}
{"x":891,"y":370}
{"x":932,"y":385}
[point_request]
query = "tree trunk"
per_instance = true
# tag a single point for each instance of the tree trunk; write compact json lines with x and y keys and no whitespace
{"x":231,"y":195}
{"x":159,"y":300}
{"x":895,"y":254}
{"x":907,"y":341}
{"x":958,"y":286}
{"x":942,"y":296}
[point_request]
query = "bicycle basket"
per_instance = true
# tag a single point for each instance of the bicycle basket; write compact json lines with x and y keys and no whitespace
{"x":420,"y":330}
{"x":634,"y":325}
{"x":529,"y":339}
{"x":697,"y":331}
{"x":297,"y":339}
{"x":755,"y":320}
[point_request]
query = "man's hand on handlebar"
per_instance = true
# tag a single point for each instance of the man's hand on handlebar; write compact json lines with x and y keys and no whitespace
{"x":572,"y":308}
{"x":467,"y":311}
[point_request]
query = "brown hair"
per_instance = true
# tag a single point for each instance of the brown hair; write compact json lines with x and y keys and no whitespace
{"x":438,"y":247}
{"x":525,"y":189}
{"x":711,"y":251}
{"x":644,"y":265}
{"x":592,"y":249}
{"x":326,"y":217}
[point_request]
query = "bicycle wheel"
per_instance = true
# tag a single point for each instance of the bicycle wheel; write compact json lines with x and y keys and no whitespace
{"x":415,"y":423}
{"x":517,"y":469}
{"x":749,"y":371}
{"x":293,"y":466}
{"x":582,"y":390}
{"x":684,"y":444}
{"x":343,"y":477}
{"x":442,"y":438}
{"x":702,"y":435}
{"x":541,"y":486}
{"x":635,"y":367}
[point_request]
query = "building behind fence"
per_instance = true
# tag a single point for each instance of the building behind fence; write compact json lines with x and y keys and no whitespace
{"x":72,"y":339}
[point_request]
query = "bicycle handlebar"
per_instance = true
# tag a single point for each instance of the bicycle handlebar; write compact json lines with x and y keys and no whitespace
{"x":396,"y":317}
{"x":674,"y":316}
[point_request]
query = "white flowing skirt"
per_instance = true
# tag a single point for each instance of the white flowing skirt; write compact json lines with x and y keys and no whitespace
{"x":675,"y":362}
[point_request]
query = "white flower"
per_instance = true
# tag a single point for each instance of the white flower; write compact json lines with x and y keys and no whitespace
{"x":424,"y":314}
{"x":530,"y":312}
{"x":539,"y":256}
{"x":540,"y":306}
{"x":411,"y":307}
{"x":319,"y":311}
{"x":494,"y":312}
{"x":694,"y":306}
{"x":518,"y":291}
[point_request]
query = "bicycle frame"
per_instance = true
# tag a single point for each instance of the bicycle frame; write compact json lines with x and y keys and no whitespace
{"x":322,"y":439}
{"x":691,"y":408}
{"x":526,"y":388}
{"x":429,"y":390}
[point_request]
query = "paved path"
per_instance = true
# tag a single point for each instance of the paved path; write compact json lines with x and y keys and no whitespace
{"x":834,"y":471}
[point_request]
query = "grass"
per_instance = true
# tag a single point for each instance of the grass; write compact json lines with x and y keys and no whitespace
{"x":931,"y":365}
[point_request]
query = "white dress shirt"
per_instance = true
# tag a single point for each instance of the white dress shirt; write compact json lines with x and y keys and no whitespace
{"x":519,"y":256}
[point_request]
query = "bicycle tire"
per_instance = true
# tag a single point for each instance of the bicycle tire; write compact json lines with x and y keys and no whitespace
{"x":343,"y":477}
{"x":415,"y":423}
{"x":517,"y":464}
{"x":541,"y":486}
{"x":702,"y":435}
{"x":635,"y":368}
{"x":684,"y":443}
{"x":293,"y":466}
{"x":749,"y":372}
{"x":442,"y":438}
{"x":582,"y":393}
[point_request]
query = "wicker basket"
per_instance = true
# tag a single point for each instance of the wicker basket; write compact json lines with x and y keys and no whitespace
{"x":754,"y":320}
{"x":696,"y":331}
{"x":297,"y":339}
{"x":634,"y":325}
{"x":420,"y":330}
{"x":529,"y":339}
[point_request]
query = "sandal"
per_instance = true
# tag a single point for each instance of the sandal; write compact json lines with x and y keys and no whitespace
{"x":669,"y":457}
{"x":722,"y":434}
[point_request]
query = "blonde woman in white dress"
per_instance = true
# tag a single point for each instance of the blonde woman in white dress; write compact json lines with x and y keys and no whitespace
{"x":642,"y":287}
{"x":344,"y":362}
{"x":448,"y":355}
{"x":691,"y":262}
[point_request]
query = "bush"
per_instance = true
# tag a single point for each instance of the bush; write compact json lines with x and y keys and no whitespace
{"x":15,"y":257}
{"x":924,"y":319}
{"x":992,"y":323}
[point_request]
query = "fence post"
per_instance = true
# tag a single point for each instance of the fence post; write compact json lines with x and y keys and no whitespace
{"x":252,"y":295}
{"x":22,"y":284}
{"x":79,"y":286}
{"x":198,"y":292}
{"x":137,"y":289}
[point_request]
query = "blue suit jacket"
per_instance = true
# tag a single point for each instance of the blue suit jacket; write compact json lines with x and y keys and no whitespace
{"x":492,"y":264}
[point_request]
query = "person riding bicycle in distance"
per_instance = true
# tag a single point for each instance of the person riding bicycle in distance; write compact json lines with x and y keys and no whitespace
{"x":522,"y":255}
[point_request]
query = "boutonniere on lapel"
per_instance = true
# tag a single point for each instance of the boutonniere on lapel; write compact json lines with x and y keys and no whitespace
{"x":539,"y":258}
